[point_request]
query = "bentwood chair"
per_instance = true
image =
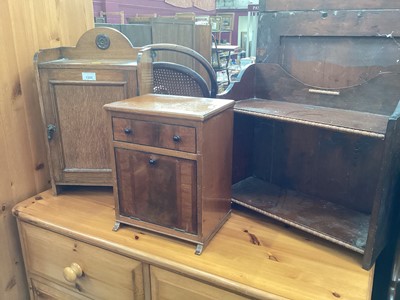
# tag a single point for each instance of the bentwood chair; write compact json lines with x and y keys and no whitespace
{"x":163,"y":77}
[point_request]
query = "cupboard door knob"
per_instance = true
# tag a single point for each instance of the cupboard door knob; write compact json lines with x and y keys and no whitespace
{"x":152,"y":161}
{"x":128,"y":130}
{"x":72,"y":272}
{"x":176,"y":138}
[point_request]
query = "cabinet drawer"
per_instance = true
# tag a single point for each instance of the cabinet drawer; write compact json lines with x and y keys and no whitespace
{"x":50,"y":291}
{"x":176,"y":137}
{"x":105,"y":275}
{"x":170,"y":286}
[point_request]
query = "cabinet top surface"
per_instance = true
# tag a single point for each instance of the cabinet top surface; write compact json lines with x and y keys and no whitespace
{"x":337,"y":119}
{"x":191,"y":108}
{"x":250,"y":255}
{"x":68,"y":63}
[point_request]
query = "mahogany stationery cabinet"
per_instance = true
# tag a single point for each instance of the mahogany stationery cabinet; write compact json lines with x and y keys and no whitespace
{"x":173,"y":162}
{"x":74,"y":83}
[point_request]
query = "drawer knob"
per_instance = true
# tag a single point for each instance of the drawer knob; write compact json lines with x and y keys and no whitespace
{"x":176,"y":138}
{"x":72,"y":272}
{"x":152,"y":161}
{"x":128,"y":130}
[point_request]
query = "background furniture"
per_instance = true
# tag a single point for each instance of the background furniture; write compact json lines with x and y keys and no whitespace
{"x":249,"y":258}
{"x":172,"y":164}
{"x":138,"y":34}
{"x":74,"y":83}
{"x":159,"y":75}
{"x":185,"y":33}
{"x":223,"y":58}
{"x":316,"y":141}
{"x":171,"y":30}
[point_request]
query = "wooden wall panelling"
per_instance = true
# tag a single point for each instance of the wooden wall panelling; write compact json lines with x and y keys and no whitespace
{"x":17,"y":175}
{"x":25,"y":27}
{"x":11,"y":109}
{"x":60,"y":23}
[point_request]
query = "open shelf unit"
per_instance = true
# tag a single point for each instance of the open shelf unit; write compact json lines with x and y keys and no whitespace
{"x":328,"y":170}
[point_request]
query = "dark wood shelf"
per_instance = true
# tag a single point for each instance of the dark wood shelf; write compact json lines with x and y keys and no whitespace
{"x":363,"y":123}
{"x":322,"y":218}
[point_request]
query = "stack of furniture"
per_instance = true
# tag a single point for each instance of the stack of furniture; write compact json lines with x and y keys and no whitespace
{"x":290,"y":152}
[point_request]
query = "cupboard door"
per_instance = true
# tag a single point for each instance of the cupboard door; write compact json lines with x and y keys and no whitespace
{"x":166,"y":285}
{"x":76,"y":124}
{"x":157,"y":189}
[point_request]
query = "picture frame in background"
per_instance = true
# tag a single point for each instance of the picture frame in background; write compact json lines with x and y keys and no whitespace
{"x":227,"y":21}
{"x":215,"y":22}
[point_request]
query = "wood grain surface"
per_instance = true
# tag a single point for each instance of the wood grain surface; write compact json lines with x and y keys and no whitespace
{"x":25,"y":27}
{"x":249,"y":256}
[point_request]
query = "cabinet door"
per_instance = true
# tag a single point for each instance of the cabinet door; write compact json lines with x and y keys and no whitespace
{"x":78,"y":134}
{"x":157,"y":189}
{"x":166,"y":285}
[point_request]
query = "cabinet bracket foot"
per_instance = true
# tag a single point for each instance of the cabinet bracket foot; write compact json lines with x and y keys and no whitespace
{"x":199,"y":249}
{"x":116,"y":226}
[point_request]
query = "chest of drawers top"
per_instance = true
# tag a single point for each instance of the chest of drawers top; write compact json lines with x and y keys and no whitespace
{"x":190,"y":108}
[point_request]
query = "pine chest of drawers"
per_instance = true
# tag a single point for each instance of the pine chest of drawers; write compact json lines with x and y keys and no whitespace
{"x":133,"y":264}
{"x":172,"y":164}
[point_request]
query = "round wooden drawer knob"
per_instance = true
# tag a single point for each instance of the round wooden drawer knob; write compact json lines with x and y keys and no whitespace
{"x":73,"y":272}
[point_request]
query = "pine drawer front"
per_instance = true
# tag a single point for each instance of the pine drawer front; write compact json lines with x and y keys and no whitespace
{"x":167,"y":285}
{"x":105,"y":275}
{"x":49,"y":291}
{"x":169,"y":136}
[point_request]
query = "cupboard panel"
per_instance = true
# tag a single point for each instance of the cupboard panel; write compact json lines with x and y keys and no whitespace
{"x":157,"y":189}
